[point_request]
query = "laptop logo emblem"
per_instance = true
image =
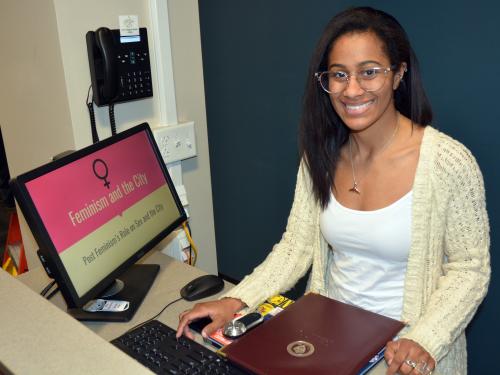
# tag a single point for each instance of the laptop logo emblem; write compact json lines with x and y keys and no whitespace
{"x":300,"y":348}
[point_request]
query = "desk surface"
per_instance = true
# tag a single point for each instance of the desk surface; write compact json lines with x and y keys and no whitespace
{"x":172,"y":276}
{"x":38,"y":336}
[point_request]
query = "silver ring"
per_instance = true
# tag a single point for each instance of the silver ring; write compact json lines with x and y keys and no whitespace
{"x":411,"y":363}
{"x":423,"y":368}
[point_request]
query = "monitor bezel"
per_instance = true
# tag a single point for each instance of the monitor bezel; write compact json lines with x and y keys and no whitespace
{"x":41,"y":235}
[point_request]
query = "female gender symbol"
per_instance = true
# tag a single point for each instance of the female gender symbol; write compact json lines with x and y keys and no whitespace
{"x":101,"y":177}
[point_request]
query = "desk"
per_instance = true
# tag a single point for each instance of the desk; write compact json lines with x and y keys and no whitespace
{"x":172,"y":276}
{"x":37,"y":336}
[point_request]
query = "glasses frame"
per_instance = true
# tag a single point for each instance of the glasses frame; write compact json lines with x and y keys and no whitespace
{"x":319,"y":75}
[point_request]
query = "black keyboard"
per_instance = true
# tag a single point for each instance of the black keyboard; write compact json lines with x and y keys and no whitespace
{"x":155,"y":346}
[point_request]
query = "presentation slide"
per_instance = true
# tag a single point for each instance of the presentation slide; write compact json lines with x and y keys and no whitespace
{"x":101,"y":209}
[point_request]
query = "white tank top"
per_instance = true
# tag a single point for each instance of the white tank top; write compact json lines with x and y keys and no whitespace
{"x":370,"y":254}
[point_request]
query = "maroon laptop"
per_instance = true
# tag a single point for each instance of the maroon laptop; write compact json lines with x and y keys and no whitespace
{"x":315,"y":335}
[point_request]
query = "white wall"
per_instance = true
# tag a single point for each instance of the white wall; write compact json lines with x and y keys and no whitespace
{"x":44,"y":87}
{"x":34,"y":113}
{"x":74,"y":19}
{"x":190,"y":95}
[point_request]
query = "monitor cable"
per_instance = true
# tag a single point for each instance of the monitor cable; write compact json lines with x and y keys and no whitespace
{"x":191,"y":242}
{"x":46,"y":290}
{"x":156,"y":316}
{"x":190,"y":247}
{"x":53,"y":293}
{"x":90,"y":106}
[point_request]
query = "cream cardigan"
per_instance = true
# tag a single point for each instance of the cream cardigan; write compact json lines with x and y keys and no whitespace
{"x":448,"y":266}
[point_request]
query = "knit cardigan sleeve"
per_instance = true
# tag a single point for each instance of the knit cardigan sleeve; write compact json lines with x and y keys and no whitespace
{"x":291,"y":257}
{"x":464,"y":277}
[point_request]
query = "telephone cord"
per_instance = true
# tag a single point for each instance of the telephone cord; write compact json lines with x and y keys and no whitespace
{"x":112,"y":118}
{"x":93,"y":127}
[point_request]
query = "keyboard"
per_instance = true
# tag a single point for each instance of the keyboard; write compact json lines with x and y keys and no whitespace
{"x":155,"y":346}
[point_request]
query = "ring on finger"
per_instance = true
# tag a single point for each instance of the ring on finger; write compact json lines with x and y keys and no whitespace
{"x":411,"y":363}
{"x":423,"y":368}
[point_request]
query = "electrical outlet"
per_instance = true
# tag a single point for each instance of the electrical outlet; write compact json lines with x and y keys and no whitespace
{"x":176,"y":142}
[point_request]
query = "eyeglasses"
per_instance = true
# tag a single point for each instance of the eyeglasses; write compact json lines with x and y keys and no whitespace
{"x":369,"y":79}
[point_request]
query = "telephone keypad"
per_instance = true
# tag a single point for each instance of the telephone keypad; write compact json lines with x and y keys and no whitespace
{"x":134,"y":70}
{"x":137,"y":83}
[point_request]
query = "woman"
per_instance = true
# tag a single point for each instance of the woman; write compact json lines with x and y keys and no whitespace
{"x":389,"y":213}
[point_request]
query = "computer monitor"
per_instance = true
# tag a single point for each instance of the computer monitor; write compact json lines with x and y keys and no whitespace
{"x":96,"y":212}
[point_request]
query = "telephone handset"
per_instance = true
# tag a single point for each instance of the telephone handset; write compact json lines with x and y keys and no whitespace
{"x":119,"y":66}
{"x":105,"y":44}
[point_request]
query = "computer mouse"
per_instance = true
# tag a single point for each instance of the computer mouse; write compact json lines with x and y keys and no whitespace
{"x":201,"y":287}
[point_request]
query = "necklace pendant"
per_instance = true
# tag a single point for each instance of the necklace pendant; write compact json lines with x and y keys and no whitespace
{"x":355,"y":189}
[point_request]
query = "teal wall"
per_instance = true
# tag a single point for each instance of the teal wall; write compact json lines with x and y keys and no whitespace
{"x":255,"y":56}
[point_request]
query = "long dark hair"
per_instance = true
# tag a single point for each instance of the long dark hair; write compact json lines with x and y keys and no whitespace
{"x":322,"y":133}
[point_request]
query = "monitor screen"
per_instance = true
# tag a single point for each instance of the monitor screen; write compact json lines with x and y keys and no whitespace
{"x":98,"y":210}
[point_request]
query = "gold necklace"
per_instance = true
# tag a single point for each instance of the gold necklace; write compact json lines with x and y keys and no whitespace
{"x":355,"y":188}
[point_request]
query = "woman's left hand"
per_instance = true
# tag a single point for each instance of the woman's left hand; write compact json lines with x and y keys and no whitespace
{"x":407,"y":357}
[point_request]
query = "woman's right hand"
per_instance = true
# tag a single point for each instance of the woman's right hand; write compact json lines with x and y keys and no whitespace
{"x":221,"y":312}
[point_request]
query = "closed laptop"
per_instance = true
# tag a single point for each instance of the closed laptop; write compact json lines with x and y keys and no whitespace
{"x":315,"y":335}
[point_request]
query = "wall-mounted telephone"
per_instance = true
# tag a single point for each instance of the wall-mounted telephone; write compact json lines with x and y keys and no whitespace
{"x":119,"y":66}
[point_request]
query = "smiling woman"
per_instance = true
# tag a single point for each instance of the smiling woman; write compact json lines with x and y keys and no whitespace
{"x":388,"y":213}
{"x":370,"y":93}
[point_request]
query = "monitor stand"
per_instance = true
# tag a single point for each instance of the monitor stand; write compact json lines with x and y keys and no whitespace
{"x":132,"y":286}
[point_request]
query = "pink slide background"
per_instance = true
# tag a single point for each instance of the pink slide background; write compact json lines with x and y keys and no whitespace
{"x":71,"y":187}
